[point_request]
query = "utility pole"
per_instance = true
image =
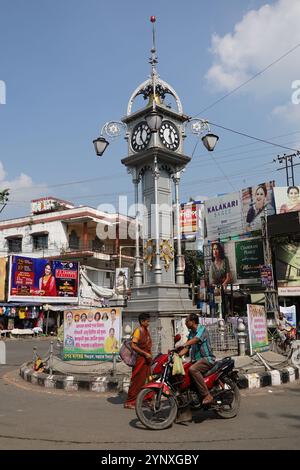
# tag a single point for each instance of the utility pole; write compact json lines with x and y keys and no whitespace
{"x":271,"y":294}
{"x":289,"y":166}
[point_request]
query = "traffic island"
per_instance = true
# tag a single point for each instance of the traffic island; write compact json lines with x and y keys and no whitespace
{"x":102,"y":378}
{"x":107,"y":382}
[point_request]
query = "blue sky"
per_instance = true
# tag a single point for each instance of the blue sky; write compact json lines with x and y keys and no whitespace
{"x":69,"y":66}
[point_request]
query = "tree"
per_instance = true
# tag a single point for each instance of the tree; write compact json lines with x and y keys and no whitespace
{"x":194,"y":266}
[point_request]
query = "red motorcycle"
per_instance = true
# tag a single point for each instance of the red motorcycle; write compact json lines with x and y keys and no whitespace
{"x":166,"y":396}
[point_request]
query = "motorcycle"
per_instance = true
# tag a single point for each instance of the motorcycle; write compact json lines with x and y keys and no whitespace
{"x":161,"y":401}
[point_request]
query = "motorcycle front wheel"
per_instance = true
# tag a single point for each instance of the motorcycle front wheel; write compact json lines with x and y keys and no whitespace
{"x":230,"y":400}
{"x":155,"y":414}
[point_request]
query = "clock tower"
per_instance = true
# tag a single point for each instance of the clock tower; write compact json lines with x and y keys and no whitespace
{"x":155,"y":160}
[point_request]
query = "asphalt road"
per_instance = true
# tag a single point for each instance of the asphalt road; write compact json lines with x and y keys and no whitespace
{"x":32,"y":417}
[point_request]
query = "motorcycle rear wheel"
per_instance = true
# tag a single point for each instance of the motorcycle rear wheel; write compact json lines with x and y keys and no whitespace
{"x":228,"y":411}
{"x":161,"y":418}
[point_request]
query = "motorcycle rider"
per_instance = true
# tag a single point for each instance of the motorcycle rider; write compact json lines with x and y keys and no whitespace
{"x":201,"y":355}
{"x":283,"y":328}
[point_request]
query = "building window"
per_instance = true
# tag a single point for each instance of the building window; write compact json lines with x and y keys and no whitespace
{"x":73,"y":240}
{"x":40,"y":242}
{"x":97,"y":244}
{"x":14,"y":245}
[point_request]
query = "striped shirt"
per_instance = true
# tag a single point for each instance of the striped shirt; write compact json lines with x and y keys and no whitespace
{"x":202,"y":349}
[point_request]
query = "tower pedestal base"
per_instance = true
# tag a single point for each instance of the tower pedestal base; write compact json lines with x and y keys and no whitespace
{"x":165,"y":304}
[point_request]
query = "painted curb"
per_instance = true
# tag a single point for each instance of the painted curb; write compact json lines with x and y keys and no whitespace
{"x":120,"y":383}
{"x":74,"y":383}
{"x":269,"y":378}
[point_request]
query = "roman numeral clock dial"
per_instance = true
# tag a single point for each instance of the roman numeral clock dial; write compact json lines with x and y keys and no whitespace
{"x":169,"y":135}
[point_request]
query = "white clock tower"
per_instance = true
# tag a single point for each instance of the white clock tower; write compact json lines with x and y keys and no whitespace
{"x":155,"y":160}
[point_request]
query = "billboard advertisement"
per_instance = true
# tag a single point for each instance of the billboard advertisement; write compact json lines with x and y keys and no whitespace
{"x":257,"y":328}
{"x":3,"y":263}
{"x":240,"y":212}
{"x":287,"y":199}
{"x":91,"y":334}
{"x":234,"y":262}
{"x":249,"y":257}
{"x":223,"y":216}
{"x":192,"y":224}
{"x":288,"y":268}
{"x":255,"y":201}
{"x":290,"y":314}
{"x":36,"y":280}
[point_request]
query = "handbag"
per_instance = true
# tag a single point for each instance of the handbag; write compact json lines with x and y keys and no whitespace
{"x":127,"y":354}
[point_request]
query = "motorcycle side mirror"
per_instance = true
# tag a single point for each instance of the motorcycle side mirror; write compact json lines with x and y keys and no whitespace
{"x":177,"y":338}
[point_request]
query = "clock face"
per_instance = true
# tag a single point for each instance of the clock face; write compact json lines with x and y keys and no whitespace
{"x":140,"y":137}
{"x":169,"y":135}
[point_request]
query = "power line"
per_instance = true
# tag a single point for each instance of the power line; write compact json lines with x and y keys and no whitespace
{"x":249,"y":79}
{"x":252,"y":137}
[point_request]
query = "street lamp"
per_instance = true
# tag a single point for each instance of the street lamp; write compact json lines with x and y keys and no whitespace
{"x":100,"y":145}
{"x":111,"y":129}
{"x":198,"y":127}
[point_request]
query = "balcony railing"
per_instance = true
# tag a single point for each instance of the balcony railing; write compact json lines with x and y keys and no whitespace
{"x":89,"y":246}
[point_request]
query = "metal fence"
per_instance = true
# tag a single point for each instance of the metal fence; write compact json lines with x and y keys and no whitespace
{"x":223,"y":339}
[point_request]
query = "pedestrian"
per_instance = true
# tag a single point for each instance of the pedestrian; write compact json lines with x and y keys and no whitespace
{"x":141,"y":343}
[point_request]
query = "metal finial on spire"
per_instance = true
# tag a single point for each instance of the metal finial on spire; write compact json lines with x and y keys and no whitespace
{"x":153,"y":61}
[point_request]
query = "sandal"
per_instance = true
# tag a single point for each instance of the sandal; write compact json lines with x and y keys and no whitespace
{"x":129,"y":406}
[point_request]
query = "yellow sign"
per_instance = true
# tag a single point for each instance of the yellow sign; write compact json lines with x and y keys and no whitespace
{"x":3,"y":262}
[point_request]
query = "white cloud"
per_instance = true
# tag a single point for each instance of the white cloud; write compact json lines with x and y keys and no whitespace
{"x":21,"y":190}
{"x":260,"y":38}
{"x":289,"y":112}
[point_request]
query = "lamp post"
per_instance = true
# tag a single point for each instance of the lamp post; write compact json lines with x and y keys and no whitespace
{"x":120,"y":252}
{"x":111,"y":129}
{"x":200,"y":127}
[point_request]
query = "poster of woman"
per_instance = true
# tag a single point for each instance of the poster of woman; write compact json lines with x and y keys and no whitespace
{"x":257,"y":201}
{"x":33,"y":278}
{"x":287,"y":199}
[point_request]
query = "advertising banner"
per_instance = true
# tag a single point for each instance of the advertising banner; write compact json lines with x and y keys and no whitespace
{"x":238,"y":213}
{"x":192,"y":224}
{"x":3,"y":263}
{"x":92,"y":334}
{"x":257,"y":328}
{"x":249,"y":257}
{"x":234,"y":262}
{"x":255,"y":200}
{"x":223,"y":216}
{"x":288,"y":268}
{"x":36,"y":280}
{"x":290,"y":314}
{"x":266,"y":275}
{"x":287,"y":199}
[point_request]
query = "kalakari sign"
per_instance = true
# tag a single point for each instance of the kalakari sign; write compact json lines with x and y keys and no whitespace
{"x":223,"y":216}
{"x":238,"y":213}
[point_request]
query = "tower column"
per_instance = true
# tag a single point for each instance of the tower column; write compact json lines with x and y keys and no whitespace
{"x":137,"y":277}
{"x":157,"y":267}
{"x":179,"y":266}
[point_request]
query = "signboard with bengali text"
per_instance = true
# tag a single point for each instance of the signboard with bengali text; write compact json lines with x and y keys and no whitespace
{"x":257,"y":328}
{"x":92,"y":334}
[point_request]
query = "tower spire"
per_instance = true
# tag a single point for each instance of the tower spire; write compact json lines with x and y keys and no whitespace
{"x":153,"y":61}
